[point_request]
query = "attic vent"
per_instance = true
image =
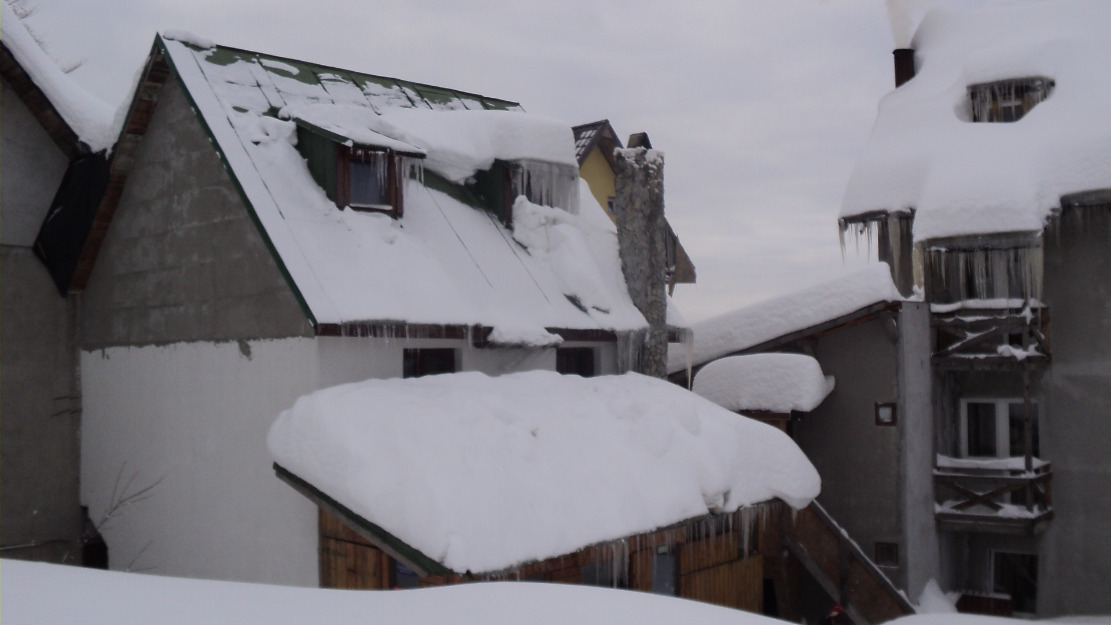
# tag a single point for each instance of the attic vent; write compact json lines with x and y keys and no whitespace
{"x":1007,"y":100}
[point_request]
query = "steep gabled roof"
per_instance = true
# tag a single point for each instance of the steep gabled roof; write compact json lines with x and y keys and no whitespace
{"x":448,"y":261}
{"x":467,"y":472}
{"x":598,"y":134}
{"x":76,"y":120}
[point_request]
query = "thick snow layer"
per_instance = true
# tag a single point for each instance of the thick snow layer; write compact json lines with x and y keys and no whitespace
{"x":484,"y":473}
{"x":978,"y":178}
{"x":35,"y":592}
{"x":772,"y":382}
{"x":444,"y":262}
{"x":766,"y":320}
{"x":934,"y":601}
{"x":88,"y":117}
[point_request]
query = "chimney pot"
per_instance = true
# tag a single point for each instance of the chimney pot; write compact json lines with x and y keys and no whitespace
{"x":904,"y":65}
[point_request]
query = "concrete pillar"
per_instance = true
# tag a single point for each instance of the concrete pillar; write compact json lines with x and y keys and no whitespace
{"x":641,"y":235}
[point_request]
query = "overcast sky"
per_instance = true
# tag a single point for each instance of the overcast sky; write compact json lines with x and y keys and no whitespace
{"x":760,"y":106}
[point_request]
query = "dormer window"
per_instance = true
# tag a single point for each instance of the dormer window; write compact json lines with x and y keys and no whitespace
{"x":368,"y":180}
{"x":1007,"y":100}
{"x":544,"y":183}
{"x":362,"y":177}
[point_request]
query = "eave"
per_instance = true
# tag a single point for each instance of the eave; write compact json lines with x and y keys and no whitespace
{"x":40,"y":106}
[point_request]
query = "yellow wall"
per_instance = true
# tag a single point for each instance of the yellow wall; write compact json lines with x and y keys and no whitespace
{"x":599,"y":177}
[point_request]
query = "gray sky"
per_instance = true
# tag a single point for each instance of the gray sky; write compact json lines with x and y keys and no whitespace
{"x":760,"y":106}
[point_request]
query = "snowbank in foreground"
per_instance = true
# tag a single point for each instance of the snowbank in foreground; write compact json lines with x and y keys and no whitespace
{"x":50,"y":593}
{"x":763,"y":321}
{"x":484,"y":473}
{"x":772,"y":382}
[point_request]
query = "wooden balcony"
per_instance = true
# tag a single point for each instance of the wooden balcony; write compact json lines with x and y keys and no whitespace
{"x":991,"y":339}
{"x":993,"y":495}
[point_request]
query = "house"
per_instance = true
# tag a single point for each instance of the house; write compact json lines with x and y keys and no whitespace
{"x":594,"y":150}
{"x":272,"y":227}
{"x":52,"y":133}
{"x":986,"y":182}
{"x":622,"y":481}
{"x":776,"y":360}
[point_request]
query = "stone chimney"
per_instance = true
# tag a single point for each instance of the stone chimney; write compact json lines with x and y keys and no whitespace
{"x":641,"y":235}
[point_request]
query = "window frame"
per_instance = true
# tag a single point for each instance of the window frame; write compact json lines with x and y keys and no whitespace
{"x":1002,"y":426}
{"x":413,"y":366}
{"x":345,"y":155}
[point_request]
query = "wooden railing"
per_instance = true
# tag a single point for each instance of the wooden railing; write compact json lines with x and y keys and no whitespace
{"x":997,"y":499}
{"x":841,"y":567}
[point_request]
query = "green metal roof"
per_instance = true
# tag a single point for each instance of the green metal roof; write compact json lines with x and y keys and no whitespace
{"x":284,"y":81}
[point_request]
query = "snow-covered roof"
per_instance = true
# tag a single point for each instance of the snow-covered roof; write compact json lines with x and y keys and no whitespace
{"x":31,"y":595}
{"x":444,"y":262}
{"x":963,"y":177}
{"x":485,"y":473}
{"x":772,"y":382}
{"x":86,"y":115}
{"x":763,"y":321}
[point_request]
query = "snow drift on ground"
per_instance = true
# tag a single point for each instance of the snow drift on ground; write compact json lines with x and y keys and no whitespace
{"x":484,"y":473}
{"x":37,"y":593}
{"x":89,"y":118}
{"x":978,"y":178}
{"x":772,"y":382}
{"x":755,"y":324}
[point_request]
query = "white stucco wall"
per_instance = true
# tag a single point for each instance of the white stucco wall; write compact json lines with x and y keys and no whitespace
{"x":195,"y":416}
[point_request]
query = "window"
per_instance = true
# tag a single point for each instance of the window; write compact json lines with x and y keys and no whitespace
{"x":885,"y":414}
{"x":363,"y":177}
{"x":370,"y":180}
{"x":1007,"y":100}
{"x":665,"y":572}
{"x":996,"y":428}
{"x":605,"y":573}
{"x":887,"y":554}
{"x":403,"y":577}
{"x":575,"y":360}
{"x":426,"y":361}
{"x":1016,"y":574}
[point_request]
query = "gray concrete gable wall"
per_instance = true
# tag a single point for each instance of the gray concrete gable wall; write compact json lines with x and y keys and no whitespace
{"x":858,"y":461}
{"x":183,"y":260}
{"x":31,"y":167}
{"x":1075,"y":554}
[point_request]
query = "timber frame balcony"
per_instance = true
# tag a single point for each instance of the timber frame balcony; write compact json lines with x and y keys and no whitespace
{"x":990,"y":338}
{"x":994,"y":496}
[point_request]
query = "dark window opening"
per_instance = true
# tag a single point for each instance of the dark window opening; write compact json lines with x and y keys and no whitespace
{"x":403,"y":577}
{"x":665,"y":572}
{"x":429,"y":361}
{"x":1016,"y":574}
{"x":981,"y":429}
{"x":369,"y":180}
{"x":887,"y":554}
{"x":1007,"y":100}
{"x":575,"y":360}
{"x":1016,"y":412}
{"x":605,"y":573}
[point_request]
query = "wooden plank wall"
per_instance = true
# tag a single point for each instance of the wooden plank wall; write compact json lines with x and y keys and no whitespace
{"x":712,"y":565}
